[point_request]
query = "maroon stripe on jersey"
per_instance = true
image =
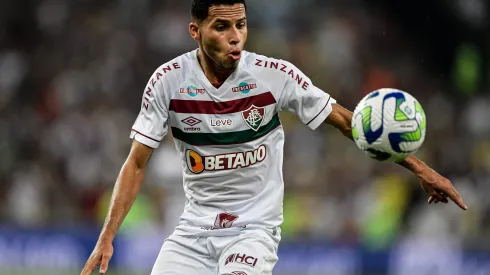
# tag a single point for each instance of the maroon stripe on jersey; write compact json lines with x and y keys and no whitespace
{"x":145,"y":136}
{"x":188,"y":106}
{"x":326,"y":104}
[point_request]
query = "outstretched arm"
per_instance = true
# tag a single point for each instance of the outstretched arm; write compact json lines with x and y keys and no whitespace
{"x":436,"y":186}
{"x":125,"y":191}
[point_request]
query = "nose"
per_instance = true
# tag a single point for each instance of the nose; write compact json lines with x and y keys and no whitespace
{"x":234,"y":36}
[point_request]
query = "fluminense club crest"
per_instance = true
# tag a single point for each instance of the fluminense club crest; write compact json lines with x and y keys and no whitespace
{"x":254,"y":116}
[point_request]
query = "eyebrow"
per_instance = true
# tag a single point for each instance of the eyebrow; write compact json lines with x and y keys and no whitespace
{"x":226,"y":20}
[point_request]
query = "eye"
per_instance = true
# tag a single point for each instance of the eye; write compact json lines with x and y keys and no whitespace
{"x":220,"y":28}
{"x":241,"y":25}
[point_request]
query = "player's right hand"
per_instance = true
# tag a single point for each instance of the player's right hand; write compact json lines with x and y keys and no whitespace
{"x":101,"y":255}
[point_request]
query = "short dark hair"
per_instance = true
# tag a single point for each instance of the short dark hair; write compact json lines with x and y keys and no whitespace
{"x":200,"y":8}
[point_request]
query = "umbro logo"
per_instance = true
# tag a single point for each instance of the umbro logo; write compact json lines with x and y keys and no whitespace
{"x":191,"y":121}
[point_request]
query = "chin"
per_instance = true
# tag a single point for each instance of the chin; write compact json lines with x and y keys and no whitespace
{"x":229,"y":66}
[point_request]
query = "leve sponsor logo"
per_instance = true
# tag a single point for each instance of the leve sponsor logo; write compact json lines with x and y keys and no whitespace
{"x":220,"y":123}
{"x":198,"y":164}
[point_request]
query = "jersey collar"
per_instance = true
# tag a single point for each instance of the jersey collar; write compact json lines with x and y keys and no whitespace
{"x":205,"y":81}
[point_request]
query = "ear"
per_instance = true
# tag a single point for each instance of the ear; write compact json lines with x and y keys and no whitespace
{"x":194,"y":31}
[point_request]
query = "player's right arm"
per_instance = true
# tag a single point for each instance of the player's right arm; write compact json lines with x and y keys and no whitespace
{"x":147,"y":132}
{"x":125,"y":191}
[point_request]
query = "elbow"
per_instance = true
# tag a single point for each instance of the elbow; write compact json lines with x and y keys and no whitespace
{"x":137,"y":166}
{"x":138,"y":156}
{"x":134,"y":167}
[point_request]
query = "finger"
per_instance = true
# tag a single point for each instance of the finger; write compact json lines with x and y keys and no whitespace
{"x":92,"y":264}
{"x":456,"y":198}
{"x":87,"y":270}
{"x":437,"y":196}
{"x":104,"y":264}
{"x":431,"y":199}
{"x":444,"y":198}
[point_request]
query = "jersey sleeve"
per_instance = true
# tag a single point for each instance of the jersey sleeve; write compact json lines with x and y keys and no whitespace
{"x":301,"y":97}
{"x":151,"y":125}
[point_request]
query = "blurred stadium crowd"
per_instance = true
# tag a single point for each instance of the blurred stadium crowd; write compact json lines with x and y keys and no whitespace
{"x":72,"y":75}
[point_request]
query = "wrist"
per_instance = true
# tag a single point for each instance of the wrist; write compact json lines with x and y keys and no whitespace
{"x":415,"y":165}
{"x":105,"y":238}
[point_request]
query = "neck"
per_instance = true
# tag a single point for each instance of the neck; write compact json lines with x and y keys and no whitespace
{"x":214,"y":74}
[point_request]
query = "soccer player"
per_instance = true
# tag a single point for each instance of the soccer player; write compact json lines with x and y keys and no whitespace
{"x":222,"y":105}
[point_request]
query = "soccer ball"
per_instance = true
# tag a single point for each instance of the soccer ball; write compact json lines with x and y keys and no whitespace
{"x":389,"y":125}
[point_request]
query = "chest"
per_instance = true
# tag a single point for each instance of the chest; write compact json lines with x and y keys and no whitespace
{"x":234,"y":113}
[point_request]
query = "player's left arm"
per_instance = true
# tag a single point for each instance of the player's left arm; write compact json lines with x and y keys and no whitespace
{"x":436,"y":186}
{"x":313,"y":106}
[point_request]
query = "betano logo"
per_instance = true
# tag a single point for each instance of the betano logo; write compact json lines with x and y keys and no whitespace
{"x":197,"y":163}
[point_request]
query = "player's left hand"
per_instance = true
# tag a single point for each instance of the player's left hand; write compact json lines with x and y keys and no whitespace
{"x":439,"y":188}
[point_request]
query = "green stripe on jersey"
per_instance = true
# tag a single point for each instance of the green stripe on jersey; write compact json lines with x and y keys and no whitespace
{"x":228,"y":137}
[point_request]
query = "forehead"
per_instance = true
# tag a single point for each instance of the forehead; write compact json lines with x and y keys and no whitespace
{"x":226,"y":12}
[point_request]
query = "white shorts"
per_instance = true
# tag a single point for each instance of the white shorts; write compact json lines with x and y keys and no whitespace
{"x":253,"y":252}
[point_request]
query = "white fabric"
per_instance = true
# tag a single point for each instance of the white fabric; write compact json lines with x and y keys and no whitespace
{"x":252,"y":253}
{"x":230,"y":139}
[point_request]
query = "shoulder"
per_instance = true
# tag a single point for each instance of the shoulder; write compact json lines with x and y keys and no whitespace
{"x":172,"y":72}
{"x":257,"y":63}
{"x":166,"y":79}
{"x":274,"y":70}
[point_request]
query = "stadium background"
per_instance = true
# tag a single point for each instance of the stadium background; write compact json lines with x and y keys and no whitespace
{"x":72,"y":75}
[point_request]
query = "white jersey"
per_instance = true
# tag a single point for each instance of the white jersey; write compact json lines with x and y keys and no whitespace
{"x":230,"y":138}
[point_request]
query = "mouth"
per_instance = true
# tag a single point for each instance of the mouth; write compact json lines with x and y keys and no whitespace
{"x":235,"y":55}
